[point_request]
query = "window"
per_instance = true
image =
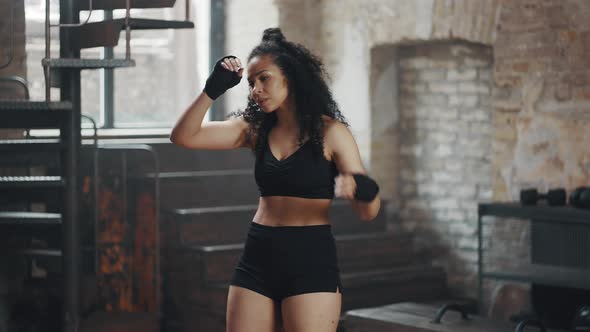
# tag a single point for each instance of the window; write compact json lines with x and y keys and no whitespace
{"x":150,"y":95}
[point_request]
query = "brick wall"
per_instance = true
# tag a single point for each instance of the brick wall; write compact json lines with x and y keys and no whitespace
{"x":542,"y":102}
{"x":444,"y":151}
{"x":541,"y":111}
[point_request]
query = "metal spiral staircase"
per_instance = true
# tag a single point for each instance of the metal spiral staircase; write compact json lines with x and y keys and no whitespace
{"x":59,"y":227}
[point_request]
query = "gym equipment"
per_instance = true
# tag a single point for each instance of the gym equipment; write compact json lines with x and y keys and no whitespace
{"x":554,"y":197}
{"x":580,"y":198}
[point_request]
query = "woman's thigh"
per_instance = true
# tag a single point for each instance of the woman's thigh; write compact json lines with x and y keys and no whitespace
{"x":249,"y":311}
{"x":312,"y":312}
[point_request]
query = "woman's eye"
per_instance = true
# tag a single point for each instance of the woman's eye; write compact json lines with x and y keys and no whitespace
{"x":263,"y":78}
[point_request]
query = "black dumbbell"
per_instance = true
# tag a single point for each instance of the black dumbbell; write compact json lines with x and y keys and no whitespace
{"x":582,"y":319}
{"x":580,"y":198}
{"x":554,"y":197}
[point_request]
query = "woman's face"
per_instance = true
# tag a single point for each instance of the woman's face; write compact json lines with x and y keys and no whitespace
{"x":268,"y":85}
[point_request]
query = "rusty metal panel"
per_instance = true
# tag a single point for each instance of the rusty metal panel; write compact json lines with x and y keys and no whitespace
{"x":125,"y":245}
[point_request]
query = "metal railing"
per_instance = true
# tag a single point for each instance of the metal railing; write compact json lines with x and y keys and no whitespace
{"x":19,"y":80}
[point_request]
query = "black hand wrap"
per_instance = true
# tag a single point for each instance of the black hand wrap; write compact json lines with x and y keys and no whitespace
{"x":221,"y":79}
{"x":366,"y":188}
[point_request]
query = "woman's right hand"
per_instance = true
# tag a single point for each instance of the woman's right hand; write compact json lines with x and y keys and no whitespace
{"x":226,"y":74}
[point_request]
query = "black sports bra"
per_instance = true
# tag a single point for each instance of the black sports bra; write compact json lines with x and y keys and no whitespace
{"x":299,"y":175}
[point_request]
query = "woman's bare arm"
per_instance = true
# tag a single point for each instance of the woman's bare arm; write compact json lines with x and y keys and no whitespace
{"x":190,"y":132}
{"x":348,"y":161}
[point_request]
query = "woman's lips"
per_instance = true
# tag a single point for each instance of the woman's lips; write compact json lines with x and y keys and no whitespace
{"x":261,"y":102}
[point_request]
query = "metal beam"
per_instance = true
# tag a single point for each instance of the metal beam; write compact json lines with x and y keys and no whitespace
{"x":217,"y":50}
{"x":70,"y":132}
{"x":108,"y":83}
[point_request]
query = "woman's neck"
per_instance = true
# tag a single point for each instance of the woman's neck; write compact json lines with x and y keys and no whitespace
{"x":286,"y":118}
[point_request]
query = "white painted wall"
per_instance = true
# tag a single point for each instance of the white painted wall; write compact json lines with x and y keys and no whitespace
{"x":245,"y":22}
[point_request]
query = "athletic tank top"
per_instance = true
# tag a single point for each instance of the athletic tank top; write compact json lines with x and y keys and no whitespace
{"x":302,"y":174}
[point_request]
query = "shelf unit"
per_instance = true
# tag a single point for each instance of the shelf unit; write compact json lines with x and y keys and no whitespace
{"x":533,"y":273}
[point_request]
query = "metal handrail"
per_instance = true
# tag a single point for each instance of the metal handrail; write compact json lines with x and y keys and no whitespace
{"x":19,"y":80}
{"x":11,"y":52}
{"x":187,"y":5}
{"x":46,"y":69}
{"x":94,"y":128}
{"x":127,"y":30}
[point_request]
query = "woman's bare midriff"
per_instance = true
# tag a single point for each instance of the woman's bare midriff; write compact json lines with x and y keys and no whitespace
{"x":292,"y":211}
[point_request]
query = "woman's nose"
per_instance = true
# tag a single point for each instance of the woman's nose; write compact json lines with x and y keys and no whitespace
{"x":254,"y":92}
{"x":257,"y":88}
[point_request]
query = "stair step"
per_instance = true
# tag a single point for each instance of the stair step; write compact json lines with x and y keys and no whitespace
{"x":229,"y":224}
{"x":26,"y":153}
{"x":41,"y":252}
{"x":88,"y":63}
{"x":31,"y":188}
{"x":205,"y":189}
{"x":18,"y":229}
{"x":360,"y":289}
{"x":28,"y":182}
{"x":122,"y":4}
{"x":209,"y":225}
{"x":198,"y":318}
{"x":29,"y":219}
{"x":106,"y":33}
{"x":151,"y":24}
{"x":174,"y":158}
{"x":416,"y":283}
{"x":36,"y":115}
{"x":412,"y":316}
{"x":25,"y":160}
{"x":355,"y":253}
{"x":193,"y":174}
{"x":30,"y":145}
{"x":120,"y":322}
{"x":47,"y":259}
{"x":33,"y":106}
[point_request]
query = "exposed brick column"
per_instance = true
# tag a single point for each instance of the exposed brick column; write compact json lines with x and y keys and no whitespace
{"x":444,"y":165}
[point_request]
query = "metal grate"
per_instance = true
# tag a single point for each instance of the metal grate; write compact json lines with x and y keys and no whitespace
{"x":88,"y":63}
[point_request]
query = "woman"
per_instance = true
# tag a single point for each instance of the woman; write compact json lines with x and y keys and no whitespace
{"x":305,"y":156}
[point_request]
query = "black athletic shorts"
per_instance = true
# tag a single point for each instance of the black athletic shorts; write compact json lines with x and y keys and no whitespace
{"x":284,"y":261}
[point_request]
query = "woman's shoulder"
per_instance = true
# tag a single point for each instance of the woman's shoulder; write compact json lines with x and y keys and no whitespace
{"x":248,"y":135}
{"x":335,"y":133}
{"x":333,"y":127}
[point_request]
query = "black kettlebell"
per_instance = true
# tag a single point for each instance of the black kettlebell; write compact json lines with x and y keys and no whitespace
{"x":580,"y":198}
{"x":554,"y":197}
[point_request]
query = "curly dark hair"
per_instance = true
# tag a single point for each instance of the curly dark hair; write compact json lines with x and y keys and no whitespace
{"x":306,"y":80}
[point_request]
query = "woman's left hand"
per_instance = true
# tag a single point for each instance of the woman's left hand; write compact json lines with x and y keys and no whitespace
{"x":344,"y":186}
